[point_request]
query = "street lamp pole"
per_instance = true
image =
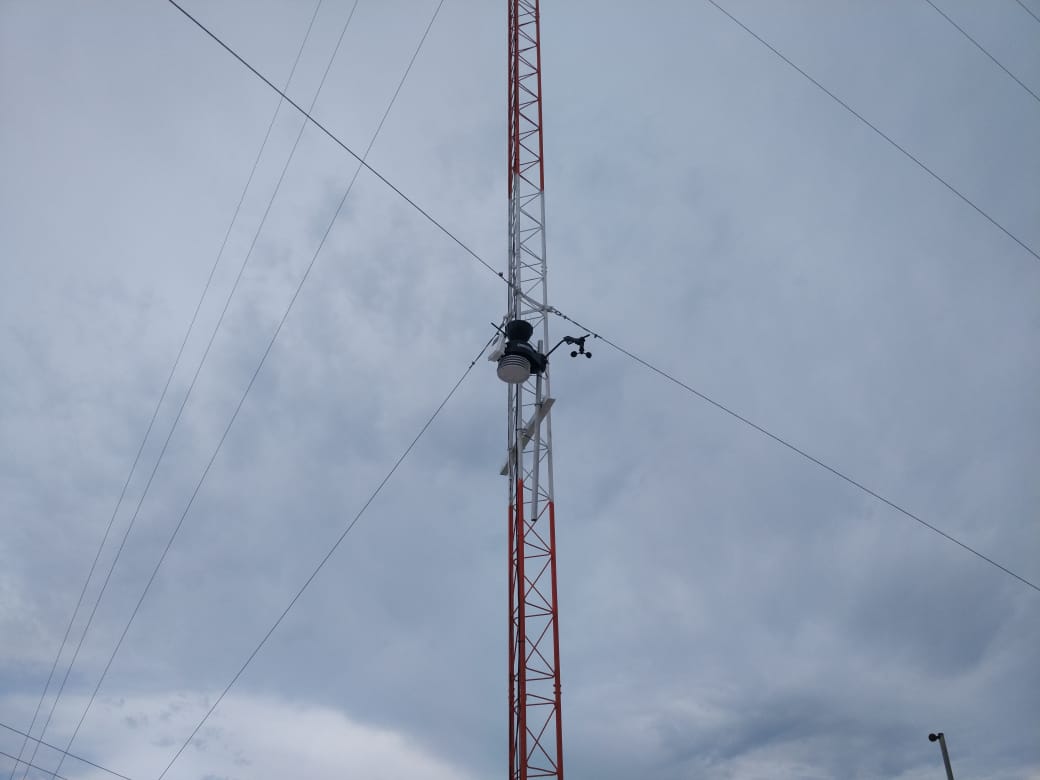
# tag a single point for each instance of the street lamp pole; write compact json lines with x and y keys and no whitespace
{"x":945,"y":753}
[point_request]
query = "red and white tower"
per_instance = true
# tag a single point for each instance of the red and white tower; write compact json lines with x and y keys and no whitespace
{"x":535,"y":729}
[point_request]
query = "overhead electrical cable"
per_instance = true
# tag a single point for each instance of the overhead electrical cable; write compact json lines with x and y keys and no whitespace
{"x":151,"y":424}
{"x":557,"y":312}
{"x":256,"y":373}
{"x":1028,"y":10}
{"x":877,"y":130}
{"x":338,"y":142}
{"x":981,"y":48}
{"x":18,"y":761}
{"x":481,"y":260}
{"x":55,"y":747}
{"x":325,"y":559}
{"x":811,"y":458}
{"x":202,"y":362}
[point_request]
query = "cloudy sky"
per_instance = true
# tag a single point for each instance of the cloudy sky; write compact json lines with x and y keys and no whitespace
{"x":728,"y":610}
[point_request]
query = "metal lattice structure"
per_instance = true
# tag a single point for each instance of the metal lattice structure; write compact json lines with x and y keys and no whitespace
{"x":535,"y":729}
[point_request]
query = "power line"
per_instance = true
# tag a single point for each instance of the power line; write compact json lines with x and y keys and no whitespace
{"x":981,"y":48}
{"x":337,"y":141}
{"x":629,"y":354}
{"x":326,"y":557}
{"x":148,"y":431}
{"x":812,"y":459}
{"x":18,"y":761}
{"x":256,"y":373}
{"x":877,"y":130}
{"x":213,"y":334}
{"x":55,"y":747}
{"x":195,"y":377}
{"x":1028,"y":10}
{"x":687,"y":387}
{"x":481,"y":260}
{"x":187,"y":396}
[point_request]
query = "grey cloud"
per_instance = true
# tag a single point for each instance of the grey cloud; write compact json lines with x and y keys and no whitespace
{"x":727,"y":609}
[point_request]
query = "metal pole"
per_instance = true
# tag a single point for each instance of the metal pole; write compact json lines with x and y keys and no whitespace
{"x":945,"y":753}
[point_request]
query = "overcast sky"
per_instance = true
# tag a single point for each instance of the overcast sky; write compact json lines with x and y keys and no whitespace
{"x":728,"y":610}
